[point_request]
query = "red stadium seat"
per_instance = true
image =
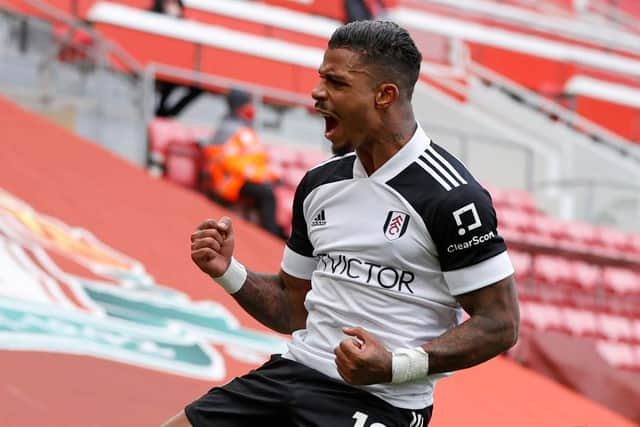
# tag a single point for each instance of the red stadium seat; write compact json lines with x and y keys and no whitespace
{"x":621,"y":281}
{"x":552,"y":270}
{"x":611,"y":240}
{"x":161,"y":132}
{"x":520,"y":199}
{"x":522,"y":265}
{"x":635,"y":328}
{"x":75,"y":43}
{"x":544,"y":317}
{"x":618,"y":355}
{"x":514,"y":224}
{"x":580,"y":236}
{"x":586,"y":276}
{"x":282,"y":155}
{"x":616,"y":328}
{"x":633,"y":240}
{"x":292,"y":176}
{"x":308,"y":158}
{"x":581,"y":323}
{"x":547,"y":230}
{"x":284,"y":207}
{"x":183,"y":164}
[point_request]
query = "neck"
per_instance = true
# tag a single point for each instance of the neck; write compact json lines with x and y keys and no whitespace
{"x":385,"y":144}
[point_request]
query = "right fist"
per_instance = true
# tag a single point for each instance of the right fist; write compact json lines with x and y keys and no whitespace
{"x":212,"y":246}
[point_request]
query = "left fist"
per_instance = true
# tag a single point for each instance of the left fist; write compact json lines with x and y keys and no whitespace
{"x":362,"y":360}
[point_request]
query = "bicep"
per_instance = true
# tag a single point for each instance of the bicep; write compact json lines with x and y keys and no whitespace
{"x":498,"y":301}
{"x":296,"y":290}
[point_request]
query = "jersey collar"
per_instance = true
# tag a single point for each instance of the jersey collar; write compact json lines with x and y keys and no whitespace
{"x":396,"y":164}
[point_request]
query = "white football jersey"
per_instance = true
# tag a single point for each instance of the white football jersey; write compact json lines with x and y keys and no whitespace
{"x":389,"y":252}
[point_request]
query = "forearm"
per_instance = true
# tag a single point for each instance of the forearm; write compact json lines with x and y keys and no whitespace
{"x":475,"y":341}
{"x":263,"y":296}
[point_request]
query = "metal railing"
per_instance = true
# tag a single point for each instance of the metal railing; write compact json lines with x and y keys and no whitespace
{"x":608,"y":37}
{"x":622,"y":208}
{"x":104,"y":48}
{"x":597,"y":133}
{"x":614,"y":15}
{"x":88,"y":85}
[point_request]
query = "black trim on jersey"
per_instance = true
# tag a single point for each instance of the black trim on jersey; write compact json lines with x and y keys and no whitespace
{"x":461,"y":221}
{"x":333,"y":170}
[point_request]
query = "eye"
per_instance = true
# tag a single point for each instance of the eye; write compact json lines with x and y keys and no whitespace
{"x":335,"y":82}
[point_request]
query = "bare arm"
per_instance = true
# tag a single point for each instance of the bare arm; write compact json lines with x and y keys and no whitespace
{"x":275,"y":300}
{"x":491,"y":329}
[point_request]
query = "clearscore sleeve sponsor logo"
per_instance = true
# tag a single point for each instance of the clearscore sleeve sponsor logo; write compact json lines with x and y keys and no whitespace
{"x":474,"y":241}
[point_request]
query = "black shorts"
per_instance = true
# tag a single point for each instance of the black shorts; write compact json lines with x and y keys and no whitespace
{"x":284,"y":393}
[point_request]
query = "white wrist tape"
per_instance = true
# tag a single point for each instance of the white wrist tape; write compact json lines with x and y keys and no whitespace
{"x":409,"y":364}
{"x":233,"y":279}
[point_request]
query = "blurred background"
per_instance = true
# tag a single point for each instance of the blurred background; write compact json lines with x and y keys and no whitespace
{"x":125,"y":123}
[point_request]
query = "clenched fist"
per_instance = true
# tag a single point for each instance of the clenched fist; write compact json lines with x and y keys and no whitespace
{"x":364,"y":360}
{"x":212,"y":246}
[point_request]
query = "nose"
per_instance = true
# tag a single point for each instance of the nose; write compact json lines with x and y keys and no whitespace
{"x":319,"y":93}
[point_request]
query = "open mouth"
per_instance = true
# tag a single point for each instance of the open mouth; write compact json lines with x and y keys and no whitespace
{"x":330,"y":124}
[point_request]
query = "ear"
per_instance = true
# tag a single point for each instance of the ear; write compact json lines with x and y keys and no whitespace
{"x":386,"y":95}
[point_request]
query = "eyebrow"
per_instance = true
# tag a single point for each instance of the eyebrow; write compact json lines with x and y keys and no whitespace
{"x":333,"y":76}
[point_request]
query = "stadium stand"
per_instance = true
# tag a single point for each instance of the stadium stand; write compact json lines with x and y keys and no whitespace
{"x":578,"y":282}
{"x":148,"y":220}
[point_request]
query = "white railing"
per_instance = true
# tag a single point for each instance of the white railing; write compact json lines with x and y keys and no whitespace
{"x":104,"y":48}
{"x":545,"y":106}
{"x":605,"y":36}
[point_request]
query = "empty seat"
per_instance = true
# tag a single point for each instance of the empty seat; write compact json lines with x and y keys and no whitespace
{"x":520,"y":199}
{"x":633,"y":241}
{"x":513,"y":220}
{"x":161,"y":132}
{"x":618,"y":355}
{"x":635,"y":328}
{"x":543,"y":317}
{"x":75,"y":43}
{"x":552,"y":270}
{"x":586,"y":276}
{"x":308,"y":158}
{"x":580,"y":236}
{"x":581,"y":323}
{"x":621,"y":281}
{"x":522,"y":265}
{"x":284,"y":207}
{"x":547,"y":230}
{"x":611,"y":239}
{"x":616,"y":328}
{"x":183,"y":163}
{"x":292,"y":175}
{"x":282,"y":155}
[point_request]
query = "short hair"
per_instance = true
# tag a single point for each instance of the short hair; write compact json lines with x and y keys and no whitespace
{"x":386,"y":46}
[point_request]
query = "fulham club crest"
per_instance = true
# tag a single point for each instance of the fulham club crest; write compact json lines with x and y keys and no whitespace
{"x":395,"y":225}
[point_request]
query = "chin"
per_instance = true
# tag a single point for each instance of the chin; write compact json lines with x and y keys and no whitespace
{"x":341,"y":149}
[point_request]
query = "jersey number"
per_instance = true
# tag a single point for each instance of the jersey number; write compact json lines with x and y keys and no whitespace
{"x":361,"y":419}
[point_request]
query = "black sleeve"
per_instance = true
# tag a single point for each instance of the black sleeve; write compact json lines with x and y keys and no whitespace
{"x":463,"y":226}
{"x":299,"y":239}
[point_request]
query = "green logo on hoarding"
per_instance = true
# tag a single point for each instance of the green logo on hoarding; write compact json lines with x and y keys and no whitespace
{"x":126,"y":317}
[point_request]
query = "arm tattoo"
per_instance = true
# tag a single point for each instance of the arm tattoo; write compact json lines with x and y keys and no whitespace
{"x":263,"y":296}
{"x":491,"y":329}
{"x":478,"y":339}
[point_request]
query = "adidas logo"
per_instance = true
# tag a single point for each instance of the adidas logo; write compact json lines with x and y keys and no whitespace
{"x":319,"y":219}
